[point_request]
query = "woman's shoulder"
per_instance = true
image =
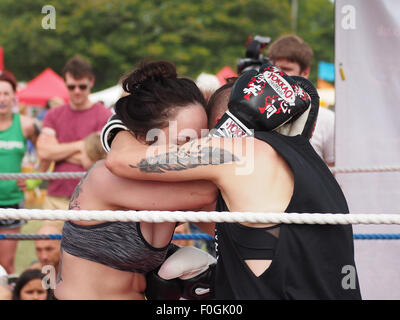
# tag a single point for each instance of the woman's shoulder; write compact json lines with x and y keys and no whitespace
{"x":96,"y":182}
{"x":99,"y":176}
{"x":98,"y":170}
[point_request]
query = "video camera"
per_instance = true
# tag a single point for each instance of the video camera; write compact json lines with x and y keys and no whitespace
{"x":254,"y":57}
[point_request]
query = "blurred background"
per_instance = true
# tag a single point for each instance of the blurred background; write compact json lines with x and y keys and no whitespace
{"x":197,"y":35}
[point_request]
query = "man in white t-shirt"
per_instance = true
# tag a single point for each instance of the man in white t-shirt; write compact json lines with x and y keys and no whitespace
{"x":294,"y":56}
{"x":324,"y":135}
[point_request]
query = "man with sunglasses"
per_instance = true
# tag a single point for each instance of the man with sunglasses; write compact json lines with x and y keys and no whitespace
{"x":65,"y":128}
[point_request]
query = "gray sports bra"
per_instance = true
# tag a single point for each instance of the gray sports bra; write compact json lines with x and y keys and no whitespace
{"x":119,"y":245}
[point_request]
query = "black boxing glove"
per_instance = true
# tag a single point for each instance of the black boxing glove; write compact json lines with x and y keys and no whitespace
{"x":261,"y":100}
{"x":187,"y":273}
{"x":200,"y":287}
{"x":158,"y":288}
{"x":110,"y":130}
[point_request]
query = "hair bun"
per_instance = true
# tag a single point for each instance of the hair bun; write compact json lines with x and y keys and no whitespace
{"x":154,"y":71}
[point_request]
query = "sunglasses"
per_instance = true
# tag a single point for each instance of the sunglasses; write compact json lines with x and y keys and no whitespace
{"x":72,"y":87}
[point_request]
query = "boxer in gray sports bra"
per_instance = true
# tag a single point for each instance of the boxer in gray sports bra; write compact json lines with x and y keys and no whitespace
{"x":119,"y":245}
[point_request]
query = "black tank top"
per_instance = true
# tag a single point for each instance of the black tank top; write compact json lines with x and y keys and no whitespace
{"x":310,"y":261}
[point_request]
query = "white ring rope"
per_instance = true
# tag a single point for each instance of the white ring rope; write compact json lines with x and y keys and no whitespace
{"x":80,"y":174}
{"x":365,"y":169}
{"x":42,"y":175}
{"x":199,"y":216}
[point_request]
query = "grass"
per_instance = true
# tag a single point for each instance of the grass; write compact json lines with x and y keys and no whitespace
{"x":25,"y":254}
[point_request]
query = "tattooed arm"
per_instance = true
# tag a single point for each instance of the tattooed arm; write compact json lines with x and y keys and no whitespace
{"x":207,"y":158}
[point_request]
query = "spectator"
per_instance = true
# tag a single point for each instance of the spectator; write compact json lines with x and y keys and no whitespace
{"x":15,"y":129}
{"x":294,"y":56}
{"x":5,"y":288}
{"x":5,"y":292}
{"x":64,"y":131}
{"x":51,"y":103}
{"x":29,"y":286}
{"x":93,"y":150}
{"x":183,"y":229}
{"x":47,"y":251}
{"x":3,"y":276}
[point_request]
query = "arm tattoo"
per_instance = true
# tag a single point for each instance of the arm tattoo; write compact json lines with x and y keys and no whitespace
{"x":74,"y":203}
{"x":185,"y":159}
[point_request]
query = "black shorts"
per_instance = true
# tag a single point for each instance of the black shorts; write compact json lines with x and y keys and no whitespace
{"x":9,"y":223}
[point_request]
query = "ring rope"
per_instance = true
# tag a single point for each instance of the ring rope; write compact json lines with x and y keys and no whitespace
{"x":199,"y":216}
{"x":365,"y":169}
{"x":183,"y":236}
{"x":80,"y":174}
{"x":43,"y":175}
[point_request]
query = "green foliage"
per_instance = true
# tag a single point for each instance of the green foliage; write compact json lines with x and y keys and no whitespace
{"x":316,"y":27}
{"x":197,"y":35}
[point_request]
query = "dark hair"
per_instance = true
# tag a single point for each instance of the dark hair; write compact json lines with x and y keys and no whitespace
{"x":78,"y":67}
{"x":155,"y":92}
{"x":218,"y":102}
{"x":8,"y":76}
{"x":24,"y":278}
{"x":292,"y":48}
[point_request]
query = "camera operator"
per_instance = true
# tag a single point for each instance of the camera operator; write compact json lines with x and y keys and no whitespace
{"x":254,"y":57}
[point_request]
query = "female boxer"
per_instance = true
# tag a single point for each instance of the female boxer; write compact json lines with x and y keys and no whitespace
{"x":264,"y":172}
{"x":109,"y":260}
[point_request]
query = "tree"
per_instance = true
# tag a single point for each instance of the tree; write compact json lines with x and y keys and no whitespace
{"x":201,"y":35}
{"x":316,"y":27}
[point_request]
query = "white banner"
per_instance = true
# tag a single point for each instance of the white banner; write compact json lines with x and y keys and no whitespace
{"x":367,"y":83}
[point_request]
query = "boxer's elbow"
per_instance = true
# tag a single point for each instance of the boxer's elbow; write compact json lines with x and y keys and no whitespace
{"x":212,"y":193}
{"x":206,"y":195}
{"x":115,"y":165}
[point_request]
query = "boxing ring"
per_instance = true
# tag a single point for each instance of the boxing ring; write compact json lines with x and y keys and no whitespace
{"x":183,"y":236}
{"x":193,"y":216}
{"x":198,"y":216}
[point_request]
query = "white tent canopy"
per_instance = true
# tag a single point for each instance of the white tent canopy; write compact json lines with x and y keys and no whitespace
{"x":108,"y":96}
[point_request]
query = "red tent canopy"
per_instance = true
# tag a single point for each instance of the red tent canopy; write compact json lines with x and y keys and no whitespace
{"x":225,"y":73}
{"x":45,"y":86}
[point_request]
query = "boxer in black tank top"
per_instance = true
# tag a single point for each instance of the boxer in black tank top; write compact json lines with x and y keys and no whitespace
{"x":262,"y":261}
{"x":307,"y":260}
